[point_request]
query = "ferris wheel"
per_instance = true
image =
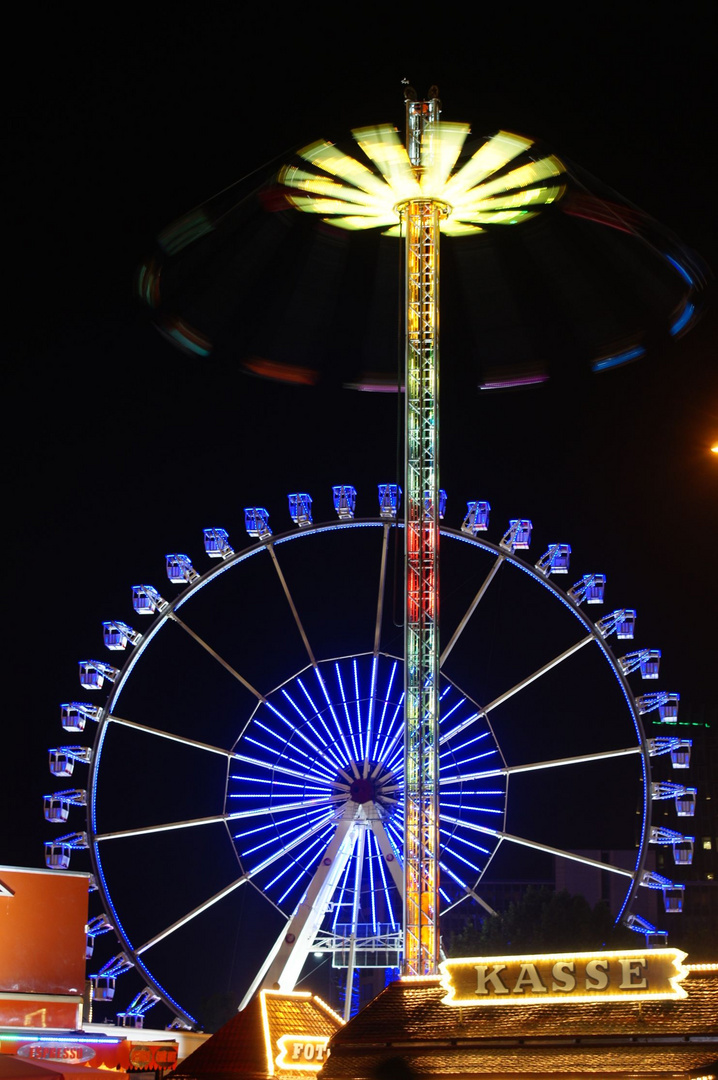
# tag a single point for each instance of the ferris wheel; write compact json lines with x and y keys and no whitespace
{"x":415,"y":189}
{"x":247,"y":763}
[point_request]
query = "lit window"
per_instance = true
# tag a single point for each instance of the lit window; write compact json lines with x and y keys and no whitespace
{"x":707,"y":843}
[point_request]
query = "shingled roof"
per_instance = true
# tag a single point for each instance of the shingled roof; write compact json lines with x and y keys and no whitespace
{"x":246,"y":1048}
{"x":410,"y":1021}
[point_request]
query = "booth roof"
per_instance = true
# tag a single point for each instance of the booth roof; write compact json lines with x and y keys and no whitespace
{"x":239,"y":1049}
{"x":409,"y":1020}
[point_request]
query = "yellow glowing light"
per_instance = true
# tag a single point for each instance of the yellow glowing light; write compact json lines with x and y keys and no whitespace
{"x":618,"y":976}
{"x":350,"y":195}
{"x":329,"y":1010}
{"x":297,"y":1052}
{"x":297,"y":994}
{"x":487,"y":160}
{"x":435,"y":979}
{"x":265,"y":1028}
{"x":303,"y":1053}
{"x":443,"y":151}
{"x":714,"y":448}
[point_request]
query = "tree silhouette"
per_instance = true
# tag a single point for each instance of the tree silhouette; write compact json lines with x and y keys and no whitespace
{"x":542,"y":921}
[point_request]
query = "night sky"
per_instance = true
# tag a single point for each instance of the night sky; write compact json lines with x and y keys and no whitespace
{"x":120,"y":448}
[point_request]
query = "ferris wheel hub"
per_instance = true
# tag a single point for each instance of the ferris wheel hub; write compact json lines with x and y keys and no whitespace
{"x":374,"y":785}
{"x":362,"y":790}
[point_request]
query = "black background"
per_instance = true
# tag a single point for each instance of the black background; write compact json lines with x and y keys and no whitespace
{"x":119,"y":449}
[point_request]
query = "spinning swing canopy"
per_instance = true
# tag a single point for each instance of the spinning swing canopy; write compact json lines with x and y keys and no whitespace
{"x":589,"y":283}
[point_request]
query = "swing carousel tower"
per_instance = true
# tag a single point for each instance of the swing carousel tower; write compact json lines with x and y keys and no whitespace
{"x":417,"y":195}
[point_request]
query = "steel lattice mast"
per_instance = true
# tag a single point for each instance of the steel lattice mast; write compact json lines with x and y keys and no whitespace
{"x":421,"y":219}
{"x":413,"y":191}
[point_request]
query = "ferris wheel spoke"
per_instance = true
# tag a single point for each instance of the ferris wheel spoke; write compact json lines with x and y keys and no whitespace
{"x":462,"y":858}
{"x":537,"y":674}
{"x":318,"y":751}
{"x":270,"y":828}
{"x":560,"y":853}
{"x":461,"y":763}
{"x":280,"y":808}
{"x":306,"y":763}
{"x":396,"y":831}
{"x":275,"y":795}
{"x":394,"y":736}
{"x":370,"y":713}
{"x":342,"y":888}
{"x":356,"y":900}
{"x":508,"y":770}
{"x":358,"y":874}
{"x":284,"y":770}
{"x":160,"y":734}
{"x":382,"y":587}
{"x":570,"y":855}
{"x":215,"y":655}
{"x":363,"y":750}
{"x":292,"y":605}
{"x":471,"y":609}
{"x":385,"y":884}
{"x":394,"y":762}
{"x":468,"y":892}
{"x":373,"y":854}
{"x":462,"y":726}
{"x":377,"y":755}
{"x":309,"y":855}
{"x":323,"y":819}
{"x":381,"y":887}
{"x":146,"y":830}
{"x":387,"y":851}
{"x":192,"y":914}
{"x":280,"y":852}
{"x":357,"y":755}
{"x":458,"y":838}
{"x":447,"y":871}
{"x":351,"y":760}
{"x":329,"y":749}
{"x":308,"y":768}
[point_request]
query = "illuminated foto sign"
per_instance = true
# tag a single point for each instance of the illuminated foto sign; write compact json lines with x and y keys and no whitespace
{"x":631,"y":975}
{"x":306,"y":1053}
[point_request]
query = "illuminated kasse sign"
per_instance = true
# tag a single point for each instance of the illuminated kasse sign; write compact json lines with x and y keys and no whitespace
{"x":569,"y":977}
